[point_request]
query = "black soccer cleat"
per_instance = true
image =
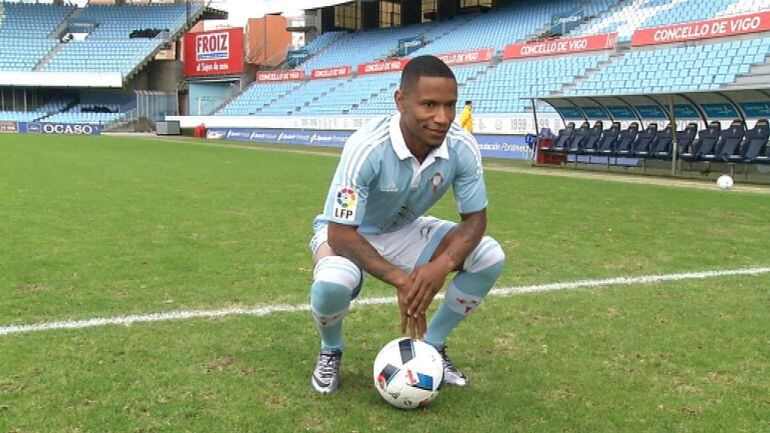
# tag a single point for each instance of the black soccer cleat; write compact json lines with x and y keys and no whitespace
{"x":452,"y":376}
{"x":326,"y":376}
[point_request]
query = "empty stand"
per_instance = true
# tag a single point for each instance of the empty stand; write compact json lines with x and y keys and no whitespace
{"x":31,"y":20}
{"x":655,"y":13}
{"x":700,"y":67}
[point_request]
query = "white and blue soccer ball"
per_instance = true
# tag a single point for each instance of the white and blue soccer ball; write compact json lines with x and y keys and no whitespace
{"x":725,"y":182}
{"x":408,"y":373}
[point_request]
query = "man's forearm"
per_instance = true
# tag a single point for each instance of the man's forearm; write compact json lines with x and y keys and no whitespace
{"x":351,"y":245}
{"x":465,"y":237}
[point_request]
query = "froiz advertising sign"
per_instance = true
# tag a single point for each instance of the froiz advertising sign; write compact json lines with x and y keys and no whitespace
{"x":561,"y":46}
{"x":218,"y":52}
{"x":730,"y":26}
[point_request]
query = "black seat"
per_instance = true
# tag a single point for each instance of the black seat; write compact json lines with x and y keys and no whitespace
{"x":591,"y":142}
{"x":684,"y":141}
{"x":662,"y":147}
{"x":576,"y":144}
{"x":563,"y":139}
{"x":607,"y":143}
{"x":626,"y":140}
{"x":728,"y":148}
{"x":704,"y":145}
{"x":645,"y":141}
{"x":756,"y":143}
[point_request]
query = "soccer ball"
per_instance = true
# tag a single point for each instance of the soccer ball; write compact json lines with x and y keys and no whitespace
{"x":725,"y":182}
{"x":407,"y":373}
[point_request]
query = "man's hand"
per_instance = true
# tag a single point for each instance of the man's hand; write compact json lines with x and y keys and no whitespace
{"x":405,"y":291}
{"x":427,"y":280}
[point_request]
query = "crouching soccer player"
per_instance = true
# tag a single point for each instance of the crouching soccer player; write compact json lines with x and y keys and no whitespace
{"x":390,"y":173}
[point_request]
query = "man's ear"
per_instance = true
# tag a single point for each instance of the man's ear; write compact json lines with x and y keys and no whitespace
{"x":400,"y":98}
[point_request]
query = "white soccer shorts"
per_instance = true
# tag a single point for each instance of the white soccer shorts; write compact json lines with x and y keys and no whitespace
{"x":405,"y":247}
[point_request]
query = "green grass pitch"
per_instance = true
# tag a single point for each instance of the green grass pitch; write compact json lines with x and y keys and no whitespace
{"x":113,"y":226}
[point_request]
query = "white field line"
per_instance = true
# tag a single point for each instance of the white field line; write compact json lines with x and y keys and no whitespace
{"x":270,"y":309}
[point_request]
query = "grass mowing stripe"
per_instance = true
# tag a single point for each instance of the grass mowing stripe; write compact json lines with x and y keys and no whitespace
{"x":262,"y":311}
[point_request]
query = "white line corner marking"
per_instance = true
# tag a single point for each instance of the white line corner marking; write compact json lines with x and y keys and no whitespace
{"x":265,"y":310}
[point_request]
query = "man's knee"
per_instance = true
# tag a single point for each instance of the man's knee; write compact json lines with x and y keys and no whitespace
{"x":336,"y":281}
{"x":339,"y":271}
{"x":488,"y":256}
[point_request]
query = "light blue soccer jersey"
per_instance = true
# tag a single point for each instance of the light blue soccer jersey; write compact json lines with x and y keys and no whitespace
{"x":380,"y":187}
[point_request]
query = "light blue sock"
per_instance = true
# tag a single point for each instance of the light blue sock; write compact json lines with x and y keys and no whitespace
{"x":329,"y":303}
{"x":466,"y":290}
{"x":336,"y":282}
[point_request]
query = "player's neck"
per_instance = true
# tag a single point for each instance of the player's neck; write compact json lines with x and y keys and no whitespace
{"x":419,"y":150}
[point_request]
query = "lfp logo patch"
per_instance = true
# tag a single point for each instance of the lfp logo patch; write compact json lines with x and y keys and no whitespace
{"x":345,"y":204}
{"x":212,"y":46}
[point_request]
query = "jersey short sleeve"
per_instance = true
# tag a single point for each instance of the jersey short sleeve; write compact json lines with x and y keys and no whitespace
{"x":468,"y":185}
{"x":349,"y":190}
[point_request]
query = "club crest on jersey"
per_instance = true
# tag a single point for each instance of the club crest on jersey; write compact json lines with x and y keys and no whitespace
{"x":345,"y":204}
{"x":436,"y":180}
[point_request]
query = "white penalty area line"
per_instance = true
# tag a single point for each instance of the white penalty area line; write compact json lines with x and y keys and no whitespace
{"x":265,"y":310}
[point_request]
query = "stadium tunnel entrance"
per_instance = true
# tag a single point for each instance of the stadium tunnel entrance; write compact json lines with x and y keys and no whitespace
{"x":717,"y":132}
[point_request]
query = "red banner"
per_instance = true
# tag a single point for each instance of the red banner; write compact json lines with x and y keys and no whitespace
{"x":717,"y":28}
{"x":380,"y":67}
{"x":471,"y":56}
{"x":218,"y":52}
{"x":292,"y":75}
{"x":337,"y":71}
{"x":561,"y":46}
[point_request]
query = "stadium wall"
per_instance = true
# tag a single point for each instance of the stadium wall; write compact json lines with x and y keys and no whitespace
{"x":499,"y":136}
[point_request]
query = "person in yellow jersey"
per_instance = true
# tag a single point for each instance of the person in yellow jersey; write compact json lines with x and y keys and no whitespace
{"x":466,"y":118}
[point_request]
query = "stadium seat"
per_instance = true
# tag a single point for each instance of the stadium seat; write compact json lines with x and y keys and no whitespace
{"x":588,"y":147}
{"x":729,"y":149}
{"x":684,"y":139}
{"x":755,"y":148}
{"x":729,"y":143}
{"x":606,"y":144}
{"x":626,"y":140}
{"x":563,"y":138}
{"x":704,"y":145}
{"x":645,"y":141}
{"x":663,"y":142}
{"x":576,"y":143}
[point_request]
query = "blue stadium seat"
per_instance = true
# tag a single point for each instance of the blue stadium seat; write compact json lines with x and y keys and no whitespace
{"x":729,"y":146}
{"x":563,"y":138}
{"x":645,"y":141}
{"x":626,"y":139}
{"x":755,"y":149}
{"x":576,"y":143}
{"x":606,"y":145}
{"x":704,"y":145}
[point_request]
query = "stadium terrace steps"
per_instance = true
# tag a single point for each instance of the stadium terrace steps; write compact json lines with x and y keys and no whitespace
{"x":311,"y":102}
{"x":44,"y":61}
{"x":64,"y":24}
{"x":589,"y":72}
{"x":758,"y":76}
